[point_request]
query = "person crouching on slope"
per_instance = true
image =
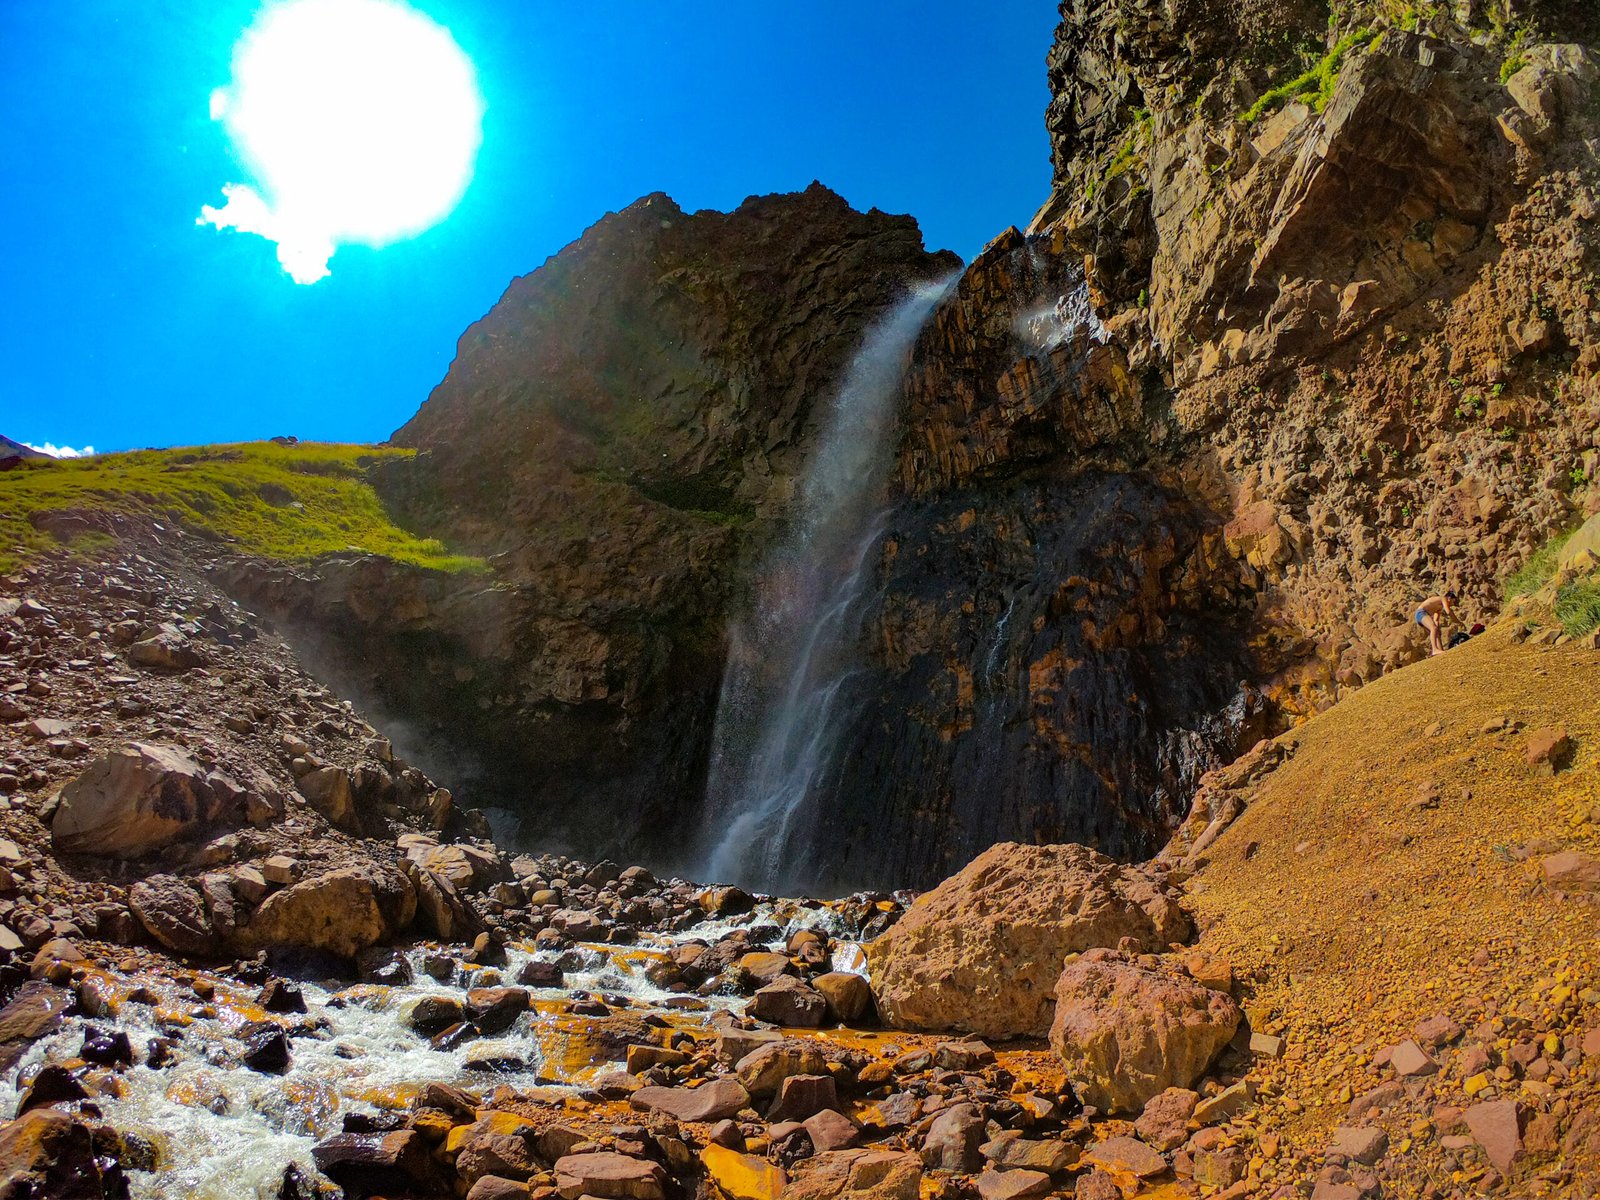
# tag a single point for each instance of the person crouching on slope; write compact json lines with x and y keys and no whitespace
{"x":1432,"y":613}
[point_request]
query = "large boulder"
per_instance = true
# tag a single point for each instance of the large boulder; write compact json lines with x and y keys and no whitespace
{"x":440,"y":909}
{"x":174,"y":914}
{"x":328,"y":791}
{"x":982,"y":951}
{"x":341,"y":912}
{"x":1128,"y":1033}
{"x":763,"y":1070}
{"x":166,"y":649}
{"x":608,"y":1176}
{"x":140,"y":798}
{"x":719,"y":1099}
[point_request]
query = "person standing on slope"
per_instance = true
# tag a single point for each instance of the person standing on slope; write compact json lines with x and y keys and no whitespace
{"x":1432,"y":613}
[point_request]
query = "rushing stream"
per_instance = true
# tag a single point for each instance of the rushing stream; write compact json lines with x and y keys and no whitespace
{"x":789,"y":662}
{"x":221,"y":1131}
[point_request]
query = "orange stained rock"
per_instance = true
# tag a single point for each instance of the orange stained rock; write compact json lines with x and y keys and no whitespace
{"x":433,"y":1124}
{"x":198,"y":1090}
{"x":102,"y":994}
{"x":742,"y":1176}
{"x":396,"y":1096}
{"x":570,"y":1049}
{"x":494,"y":1121}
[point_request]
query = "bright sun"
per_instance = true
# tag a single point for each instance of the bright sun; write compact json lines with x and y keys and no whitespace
{"x":360,"y":121}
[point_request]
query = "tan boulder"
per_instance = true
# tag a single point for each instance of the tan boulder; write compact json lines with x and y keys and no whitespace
{"x":328,"y":790}
{"x":858,"y":1174}
{"x":982,"y":951}
{"x":466,"y":868}
{"x":341,"y":912}
{"x":764,"y":1069}
{"x":1127,"y":1033}
{"x":848,"y":995}
{"x":440,"y":908}
{"x":763,"y":966}
{"x":166,"y":649}
{"x":140,"y":798}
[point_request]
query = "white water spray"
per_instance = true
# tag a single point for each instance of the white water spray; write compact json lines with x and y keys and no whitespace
{"x":791,"y":660}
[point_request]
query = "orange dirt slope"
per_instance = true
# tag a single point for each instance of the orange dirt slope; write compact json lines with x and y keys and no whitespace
{"x":1388,"y":872}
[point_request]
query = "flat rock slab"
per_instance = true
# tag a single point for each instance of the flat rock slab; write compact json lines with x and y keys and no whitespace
{"x":1497,"y":1127}
{"x":1364,"y":1144}
{"x":609,"y":1176}
{"x":715,"y":1101}
{"x":1571,"y":871}
{"x":1013,"y":1185}
{"x":1126,"y":1156}
{"x":1410,"y":1060}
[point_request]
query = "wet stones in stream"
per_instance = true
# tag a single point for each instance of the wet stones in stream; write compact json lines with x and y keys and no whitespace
{"x":267,"y":1050}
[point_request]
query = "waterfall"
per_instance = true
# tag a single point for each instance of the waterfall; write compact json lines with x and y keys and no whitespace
{"x":789,"y":662}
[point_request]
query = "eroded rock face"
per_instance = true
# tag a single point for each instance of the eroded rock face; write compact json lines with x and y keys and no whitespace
{"x":1366,"y":308}
{"x":618,"y":435}
{"x":982,"y":952}
{"x":1127,"y":1033}
{"x":1053,"y":646}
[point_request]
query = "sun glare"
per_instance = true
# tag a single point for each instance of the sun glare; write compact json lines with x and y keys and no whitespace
{"x":360,"y":121}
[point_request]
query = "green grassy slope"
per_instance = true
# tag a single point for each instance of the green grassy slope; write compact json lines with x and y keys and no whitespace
{"x":287,"y":502}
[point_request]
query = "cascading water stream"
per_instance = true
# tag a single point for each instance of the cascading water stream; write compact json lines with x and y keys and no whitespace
{"x":216,"y":1130}
{"x":778,"y":715}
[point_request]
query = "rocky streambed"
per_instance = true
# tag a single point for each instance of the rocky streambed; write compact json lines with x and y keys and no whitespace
{"x":239,"y":1082}
{"x":734,"y":1047}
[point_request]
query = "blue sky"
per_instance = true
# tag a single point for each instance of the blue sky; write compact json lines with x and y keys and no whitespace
{"x":124,"y":324}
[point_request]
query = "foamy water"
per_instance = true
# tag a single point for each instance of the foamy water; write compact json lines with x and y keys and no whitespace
{"x":225,"y":1132}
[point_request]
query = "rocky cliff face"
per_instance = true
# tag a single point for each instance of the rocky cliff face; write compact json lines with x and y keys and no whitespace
{"x":1305,"y":333}
{"x":1356,"y":256}
{"x":1341,"y":356}
{"x":617,"y":436}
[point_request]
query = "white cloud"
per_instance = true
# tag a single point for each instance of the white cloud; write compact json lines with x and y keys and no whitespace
{"x":303,"y":253}
{"x":55,"y":451}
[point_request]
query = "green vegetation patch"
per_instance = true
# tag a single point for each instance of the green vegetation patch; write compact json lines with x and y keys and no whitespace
{"x":292,"y":502}
{"x":1512,"y":65}
{"x":1578,"y":605}
{"x":1536,"y":572}
{"x":1315,"y":87}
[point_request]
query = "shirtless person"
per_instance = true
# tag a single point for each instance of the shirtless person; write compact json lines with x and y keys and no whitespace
{"x":1431,"y":615}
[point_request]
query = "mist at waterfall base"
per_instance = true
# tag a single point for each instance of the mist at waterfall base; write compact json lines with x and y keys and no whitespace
{"x":789,"y":662}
